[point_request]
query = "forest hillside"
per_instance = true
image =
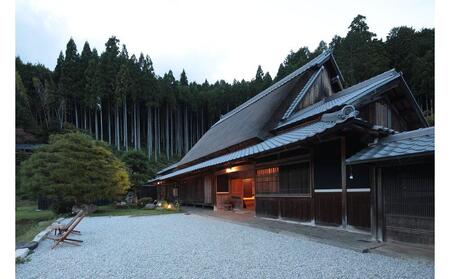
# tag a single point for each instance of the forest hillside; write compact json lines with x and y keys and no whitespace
{"x":117,"y":97}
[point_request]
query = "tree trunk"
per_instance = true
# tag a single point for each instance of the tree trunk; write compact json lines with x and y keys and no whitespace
{"x":167,"y":131}
{"x":159,"y":130}
{"x":134,"y":126}
{"x":96,"y":124}
{"x":149,"y":132}
{"x":139,"y":127}
{"x":76,"y":115}
{"x":186,"y":130}
{"x":156,"y":134}
{"x":117,"y":127}
{"x":202,"y":121}
{"x":90,"y":121}
{"x":125,"y":122}
{"x":109,"y":122}
{"x":85,"y":119}
{"x":101,"y":125}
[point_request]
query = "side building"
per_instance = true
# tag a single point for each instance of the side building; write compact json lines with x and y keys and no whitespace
{"x":308,"y":150}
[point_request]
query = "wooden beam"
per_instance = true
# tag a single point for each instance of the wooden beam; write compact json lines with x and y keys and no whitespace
{"x":285,"y":161}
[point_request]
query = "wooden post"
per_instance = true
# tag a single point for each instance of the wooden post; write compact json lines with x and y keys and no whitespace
{"x":380,"y":215}
{"x":373,"y":203}
{"x":344,"y":184}
{"x":312,"y":187}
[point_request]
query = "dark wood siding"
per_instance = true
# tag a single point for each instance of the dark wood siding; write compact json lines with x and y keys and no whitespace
{"x":298,"y":209}
{"x":328,"y":208}
{"x":192,"y":191}
{"x":161,"y":192}
{"x":408,"y":196}
{"x":358,"y":196}
{"x":358,"y":209}
{"x":267,"y":207}
{"x":383,"y":113}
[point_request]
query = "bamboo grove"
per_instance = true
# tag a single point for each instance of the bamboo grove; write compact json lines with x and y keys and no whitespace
{"x":119,"y":99}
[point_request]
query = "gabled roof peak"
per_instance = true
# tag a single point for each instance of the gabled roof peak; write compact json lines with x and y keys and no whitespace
{"x":318,"y":60}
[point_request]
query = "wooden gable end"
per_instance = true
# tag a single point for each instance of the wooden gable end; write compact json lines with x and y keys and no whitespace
{"x":317,"y":87}
{"x":384,"y":114}
{"x":319,"y":90}
{"x":393,"y":109}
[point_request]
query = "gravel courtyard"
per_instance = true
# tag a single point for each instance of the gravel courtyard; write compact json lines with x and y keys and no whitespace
{"x":192,"y":246}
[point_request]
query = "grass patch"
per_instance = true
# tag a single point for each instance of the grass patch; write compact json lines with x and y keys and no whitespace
{"x":109,"y":210}
{"x":30,"y":222}
{"x":22,"y":261}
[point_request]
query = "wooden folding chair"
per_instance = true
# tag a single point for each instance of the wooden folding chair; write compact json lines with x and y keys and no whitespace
{"x":64,"y":236}
{"x":60,"y":228}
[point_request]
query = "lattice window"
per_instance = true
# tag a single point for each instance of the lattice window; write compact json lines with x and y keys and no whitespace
{"x":267,"y":180}
{"x":294,"y":179}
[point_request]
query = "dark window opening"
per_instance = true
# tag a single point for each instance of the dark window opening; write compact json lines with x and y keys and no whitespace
{"x":267,"y":180}
{"x":222,"y":183}
{"x":327,"y":165}
{"x":294,"y":179}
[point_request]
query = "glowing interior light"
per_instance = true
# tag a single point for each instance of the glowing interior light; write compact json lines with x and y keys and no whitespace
{"x":228,"y":170}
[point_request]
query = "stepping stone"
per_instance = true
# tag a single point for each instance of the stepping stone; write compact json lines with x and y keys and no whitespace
{"x":22,"y":253}
{"x":30,"y":245}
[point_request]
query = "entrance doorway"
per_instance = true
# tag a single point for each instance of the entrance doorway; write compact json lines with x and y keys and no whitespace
{"x":243,"y":193}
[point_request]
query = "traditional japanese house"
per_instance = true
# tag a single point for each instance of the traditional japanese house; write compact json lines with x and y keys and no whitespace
{"x":309,"y":150}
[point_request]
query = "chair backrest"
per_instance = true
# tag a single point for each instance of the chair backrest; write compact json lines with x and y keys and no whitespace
{"x":68,"y":231}
{"x":81,"y":212}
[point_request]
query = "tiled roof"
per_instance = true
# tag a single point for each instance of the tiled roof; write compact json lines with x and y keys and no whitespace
{"x":344,"y":97}
{"x":316,"y":61}
{"x":403,"y":144}
{"x":251,"y":120}
{"x":287,"y":138}
{"x":168,"y":168}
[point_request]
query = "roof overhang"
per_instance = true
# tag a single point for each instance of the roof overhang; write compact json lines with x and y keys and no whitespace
{"x":403,"y":145}
{"x":390,"y":158}
{"x":273,"y":144}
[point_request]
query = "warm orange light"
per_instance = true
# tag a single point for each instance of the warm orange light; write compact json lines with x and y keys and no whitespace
{"x":169,"y":206}
{"x":232,"y":169}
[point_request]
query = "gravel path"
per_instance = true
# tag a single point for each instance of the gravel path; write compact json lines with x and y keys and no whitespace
{"x":192,"y":246}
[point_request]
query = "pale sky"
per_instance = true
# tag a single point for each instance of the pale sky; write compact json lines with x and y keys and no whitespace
{"x":209,"y":39}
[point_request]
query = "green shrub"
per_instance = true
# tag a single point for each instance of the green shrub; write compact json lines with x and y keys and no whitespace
{"x":137,"y":165}
{"x":143,"y":201}
{"x":73,"y":169}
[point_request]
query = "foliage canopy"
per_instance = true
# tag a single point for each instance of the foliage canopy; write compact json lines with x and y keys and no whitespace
{"x":74,"y":169}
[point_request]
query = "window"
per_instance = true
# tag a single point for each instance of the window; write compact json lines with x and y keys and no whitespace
{"x":222,"y":183}
{"x":294,"y":179}
{"x":327,"y":165}
{"x":267,"y":180}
